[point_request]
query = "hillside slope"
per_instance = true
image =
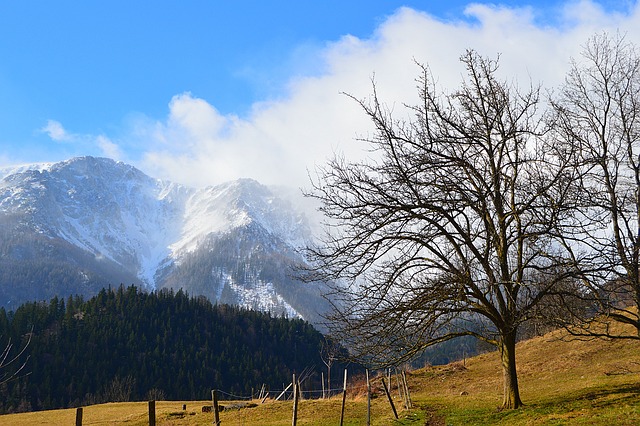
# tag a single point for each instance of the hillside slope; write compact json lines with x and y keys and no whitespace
{"x":125,"y":345}
{"x":562,"y":383}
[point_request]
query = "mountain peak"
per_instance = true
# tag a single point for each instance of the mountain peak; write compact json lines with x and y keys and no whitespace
{"x":115,"y":216}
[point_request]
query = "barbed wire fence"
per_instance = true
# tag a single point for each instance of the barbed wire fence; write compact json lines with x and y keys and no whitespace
{"x":287,"y":392}
{"x":356,"y":388}
{"x":294,"y":392}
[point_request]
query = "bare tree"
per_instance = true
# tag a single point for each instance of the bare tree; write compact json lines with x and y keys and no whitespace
{"x":448,"y":232}
{"x":329,"y":354}
{"x":598,"y":116}
{"x":119,"y":389}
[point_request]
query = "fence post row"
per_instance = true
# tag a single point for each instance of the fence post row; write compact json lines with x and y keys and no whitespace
{"x":403,"y":389}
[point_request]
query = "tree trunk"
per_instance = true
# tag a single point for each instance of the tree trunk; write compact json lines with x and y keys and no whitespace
{"x":511,"y":396}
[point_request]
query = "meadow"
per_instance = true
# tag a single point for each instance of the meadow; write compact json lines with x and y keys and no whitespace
{"x":562,"y":382}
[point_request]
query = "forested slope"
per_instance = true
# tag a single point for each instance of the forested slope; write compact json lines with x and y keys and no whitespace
{"x":126,"y":344}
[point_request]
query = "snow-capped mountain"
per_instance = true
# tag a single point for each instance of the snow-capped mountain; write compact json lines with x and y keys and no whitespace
{"x":76,"y":226}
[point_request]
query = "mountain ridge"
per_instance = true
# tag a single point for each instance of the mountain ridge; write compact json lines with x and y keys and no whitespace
{"x":150,"y":233}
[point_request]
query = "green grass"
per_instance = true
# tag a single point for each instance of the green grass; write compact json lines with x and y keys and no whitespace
{"x":561,"y":383}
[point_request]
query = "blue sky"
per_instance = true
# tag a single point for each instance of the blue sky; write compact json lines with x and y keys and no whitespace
{"x":205,"y":91}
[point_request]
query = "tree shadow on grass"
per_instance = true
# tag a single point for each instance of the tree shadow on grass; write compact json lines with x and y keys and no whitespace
{"x":560,"y":408}
{"x":600,"y":397}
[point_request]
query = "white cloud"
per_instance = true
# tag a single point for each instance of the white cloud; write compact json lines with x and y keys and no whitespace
{"x":56,"y":131}
{"x":99,"y":145}
{"x":281,"y":139}
{"x":109,"y":148}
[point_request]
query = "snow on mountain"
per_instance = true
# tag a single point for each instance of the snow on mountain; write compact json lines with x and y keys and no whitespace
{"x":235,"y":204}
{"x":105,"y":207}
{"x":259,"y":296}
{"x":10,"y":170}
{"x":149,"y":227}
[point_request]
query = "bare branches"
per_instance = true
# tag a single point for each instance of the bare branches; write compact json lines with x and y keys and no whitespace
{"x":598,"y":115}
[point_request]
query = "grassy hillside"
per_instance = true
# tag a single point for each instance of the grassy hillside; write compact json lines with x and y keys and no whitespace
{"x":562,"y":382}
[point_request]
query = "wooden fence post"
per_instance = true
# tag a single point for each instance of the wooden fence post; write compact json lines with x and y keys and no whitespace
{"x":406,"y":390}
{"x":368,"y":398}
{"x":294,"y":421}
{"x":344,"y":397}
{"x":79,"y":416}
{"x":386,"y":390}
{"x":152,"y":413}
{"x":400,"y":393}
{"x":216,"y":412}
{"x":283,"y":392}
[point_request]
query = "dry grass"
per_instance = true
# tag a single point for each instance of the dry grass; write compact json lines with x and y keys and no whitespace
{"x":562,"y":383}
{"x":272,"y":413}
{"x":130,"y":413}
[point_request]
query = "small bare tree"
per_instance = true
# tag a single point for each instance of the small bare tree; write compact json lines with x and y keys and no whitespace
{"x":329,"y":354}
{"x":598,"y":117}
{"x":119,"y":389}
{"x":449,"y":231}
